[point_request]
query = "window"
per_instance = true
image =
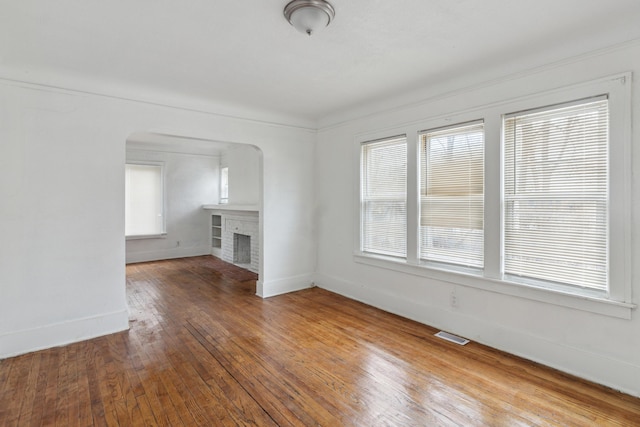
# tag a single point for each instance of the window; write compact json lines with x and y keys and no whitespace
{"x":384,"y":197}
{"x":224,"y":185}
{"x":452,"y":195}
{"x":555,"y":194}
{"x":529,"y":197}
{"x":144,"y":200}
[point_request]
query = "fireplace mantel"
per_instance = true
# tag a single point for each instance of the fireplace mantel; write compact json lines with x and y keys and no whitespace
{"x":232,"y":208}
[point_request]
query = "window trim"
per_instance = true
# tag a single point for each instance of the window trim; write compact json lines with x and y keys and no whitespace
{"x":618,"y":302}
{"x":163,"y":233}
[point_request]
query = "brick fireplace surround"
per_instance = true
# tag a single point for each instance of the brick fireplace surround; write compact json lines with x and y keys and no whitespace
{"x":245,"y":224}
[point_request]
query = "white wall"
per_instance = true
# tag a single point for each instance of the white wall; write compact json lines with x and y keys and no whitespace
{"x":62,"y":156}
{"x":598,"y":347}
{"x":244,"y":174}
{"x":191,"y":180}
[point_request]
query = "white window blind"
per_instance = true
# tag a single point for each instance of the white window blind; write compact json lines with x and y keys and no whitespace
{"x":452,"y":195}
{"x":143,"y":200}
{"x":556,"y":194}
{"x":384,"y":197}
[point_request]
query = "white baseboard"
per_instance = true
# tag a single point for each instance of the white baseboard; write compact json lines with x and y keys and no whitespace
{"x":614,"y":373}
{"x":133,"y":257}
{"x":272,"y":288}
{"x":58,"y":334}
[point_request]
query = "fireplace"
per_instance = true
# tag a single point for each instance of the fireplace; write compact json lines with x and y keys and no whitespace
{"x":241,"y":239}
{"x":241,"y":249}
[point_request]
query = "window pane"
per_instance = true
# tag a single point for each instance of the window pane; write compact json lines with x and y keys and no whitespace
{"x":224,"y":185}
{"x":384,"y":201}
{"x":452,"y":195}
{"x":556,"y":197}
{"x":143,"y":200}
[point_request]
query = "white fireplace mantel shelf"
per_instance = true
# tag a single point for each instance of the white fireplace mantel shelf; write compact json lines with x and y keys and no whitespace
{"x":241,"y":208}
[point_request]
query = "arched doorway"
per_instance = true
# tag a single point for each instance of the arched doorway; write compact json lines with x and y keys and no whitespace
{"x":194,"y":209}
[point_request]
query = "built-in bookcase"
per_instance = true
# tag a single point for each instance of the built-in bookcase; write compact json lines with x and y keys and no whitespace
{"x":216,"y":234}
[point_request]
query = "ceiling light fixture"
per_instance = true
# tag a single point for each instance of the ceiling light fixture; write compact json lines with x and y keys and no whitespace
{"x":309,"y":16}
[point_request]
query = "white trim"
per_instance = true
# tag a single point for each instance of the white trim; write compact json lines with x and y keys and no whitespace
{"x":466,"y":277}
{"x":183,"y":103}
{"x":285,"y":285}
{"x":429,"y":94}
{"x":232,"y":208}
{"x":63,"y":333}
{"x":180,"y":252}
{"x":146,"y":236}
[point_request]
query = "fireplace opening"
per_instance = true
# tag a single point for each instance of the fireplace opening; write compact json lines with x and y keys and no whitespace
{"x":241,"y":249}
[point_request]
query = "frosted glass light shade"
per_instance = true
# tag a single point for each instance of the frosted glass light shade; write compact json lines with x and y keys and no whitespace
{"x":309,"y":16}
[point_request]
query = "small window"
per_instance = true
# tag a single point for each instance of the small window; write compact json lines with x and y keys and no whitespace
{"x":224,"y":185}
{"x":556,"y":194}
{"x":452,"y":195}
{"x":144,"y":200}
{"x":384,"y":197}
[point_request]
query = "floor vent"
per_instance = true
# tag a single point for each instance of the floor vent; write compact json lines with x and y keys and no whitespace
{"x":453,"y":338}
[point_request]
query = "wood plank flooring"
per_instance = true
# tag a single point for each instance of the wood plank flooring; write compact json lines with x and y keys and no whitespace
{"x":204,"y":350}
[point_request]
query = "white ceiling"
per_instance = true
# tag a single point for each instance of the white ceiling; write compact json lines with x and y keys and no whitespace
{"x":243,"y":54}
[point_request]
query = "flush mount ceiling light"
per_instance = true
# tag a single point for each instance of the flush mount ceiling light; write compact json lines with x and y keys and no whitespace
{"x":309,"y":16}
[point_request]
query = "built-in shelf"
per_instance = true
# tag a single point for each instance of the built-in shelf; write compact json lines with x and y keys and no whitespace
{"x":216,"y":234}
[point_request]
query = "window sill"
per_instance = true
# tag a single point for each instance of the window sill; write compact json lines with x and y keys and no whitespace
{"x":474,"y":279}
{"x":147,"y":236}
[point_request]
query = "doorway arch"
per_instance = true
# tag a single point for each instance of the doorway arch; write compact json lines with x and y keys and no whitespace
{"x":192,"y":168}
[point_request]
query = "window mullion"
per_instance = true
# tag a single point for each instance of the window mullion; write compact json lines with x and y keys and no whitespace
{"x":413,"y":196}
{"x":492,"y":197}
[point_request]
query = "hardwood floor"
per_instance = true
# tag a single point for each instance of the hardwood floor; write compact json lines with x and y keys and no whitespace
{"x":204,"y":350}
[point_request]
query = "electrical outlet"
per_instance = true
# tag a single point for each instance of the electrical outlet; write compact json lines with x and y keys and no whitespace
{"x":453,"y":299}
